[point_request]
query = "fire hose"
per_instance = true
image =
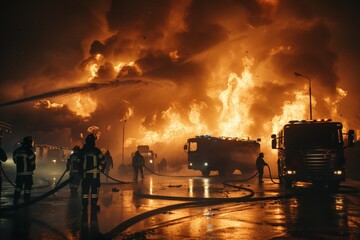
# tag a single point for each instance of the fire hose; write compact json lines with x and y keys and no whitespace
{"x":114,"y":179}
{"x":36,"y":199}
{"x":271,"y":176}
{"x":37,"y":187}
{"x":193,"y":202}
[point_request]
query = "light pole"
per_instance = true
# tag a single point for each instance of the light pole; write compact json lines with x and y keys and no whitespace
{"x":123,"y":141}
{"x":301,"y":75}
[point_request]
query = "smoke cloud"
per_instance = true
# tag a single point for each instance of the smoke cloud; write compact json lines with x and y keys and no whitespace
{"x":163,"y":65}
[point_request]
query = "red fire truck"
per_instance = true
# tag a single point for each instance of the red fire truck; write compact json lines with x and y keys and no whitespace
{"x":222,"y":154}
{"x":311,"y":151}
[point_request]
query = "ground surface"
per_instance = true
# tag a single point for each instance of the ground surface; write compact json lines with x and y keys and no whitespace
{"x":311,"y":212}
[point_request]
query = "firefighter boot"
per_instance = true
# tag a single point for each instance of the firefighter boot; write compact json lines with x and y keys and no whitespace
{"x":27,"y":195}
{"x":16,"y":197}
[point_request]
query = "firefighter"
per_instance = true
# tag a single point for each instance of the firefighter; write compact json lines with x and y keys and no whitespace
{"x":72,"y":164}
{"x":24,"y":158}
{"x":3,"y":158}
{"x":260,"y":164}
{"x":92,"y":161}
{"x":109,"y":163}
{"x":138,"y":163}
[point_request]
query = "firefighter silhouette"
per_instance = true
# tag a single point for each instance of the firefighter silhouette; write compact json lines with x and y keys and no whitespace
{"x":24,"y":158}
{"x":260,"y":164}
{"x":3,"y":158}
{"x":109,"y":163}
{"x":162,"y":166}
{"x":138,"y":163}
{"x":92,"y":161}
{"x":72,"y":164}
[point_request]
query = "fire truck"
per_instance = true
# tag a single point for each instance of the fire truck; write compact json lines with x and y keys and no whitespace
{"x":222,"y":154}
{"x":149,"y":156}
{"x":311,"y":151}
{"x":51,"y":154}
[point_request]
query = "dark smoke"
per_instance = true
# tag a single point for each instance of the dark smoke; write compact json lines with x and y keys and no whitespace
{"x":45,"y":46}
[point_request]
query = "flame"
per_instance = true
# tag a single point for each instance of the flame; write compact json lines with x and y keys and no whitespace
{"x":236,"y":101}
{"x":268,"y":2}
{"x":92,"y":68}
{"x":333,"y":104}
{"x":295,"y":110}
{"x":82,"y":104}
{"x":233,"y":112}
{"x":176,"y":125}
{"x":94,"y":65}
{"x":47,"y":104}
{"x":174,"y":55}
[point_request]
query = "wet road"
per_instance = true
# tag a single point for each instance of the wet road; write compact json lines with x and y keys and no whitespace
{"x":129,"y":212}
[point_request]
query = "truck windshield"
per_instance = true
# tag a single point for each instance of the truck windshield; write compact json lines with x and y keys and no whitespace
{"x":312,"y":136}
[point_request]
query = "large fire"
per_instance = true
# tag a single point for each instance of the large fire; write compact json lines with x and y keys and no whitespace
{"x":233,"y":116}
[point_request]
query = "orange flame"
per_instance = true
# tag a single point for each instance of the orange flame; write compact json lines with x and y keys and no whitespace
{"x":82,"y":104}
{"x":295,"y":110}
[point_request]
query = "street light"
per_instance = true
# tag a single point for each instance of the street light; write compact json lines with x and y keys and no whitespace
{"x":123,"y":141}
{"x":301,"y":75}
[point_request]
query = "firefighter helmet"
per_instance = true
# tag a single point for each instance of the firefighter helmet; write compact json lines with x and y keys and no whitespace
{"x":261,"y":154}
{"x":76,"y":149}
{"x":28,"y":141}
{"x":90,"y":139}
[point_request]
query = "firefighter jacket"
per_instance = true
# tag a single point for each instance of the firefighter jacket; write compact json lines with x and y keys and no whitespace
{"x":92,"y":161}
{"x":138,"y":160}
{"x":3,"y":158}
{"x":24,"y":158}
{"x":260,"y":163}
{"x":73,"y":163}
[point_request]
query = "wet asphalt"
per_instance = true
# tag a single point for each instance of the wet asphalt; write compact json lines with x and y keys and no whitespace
{"x":172,"y":207}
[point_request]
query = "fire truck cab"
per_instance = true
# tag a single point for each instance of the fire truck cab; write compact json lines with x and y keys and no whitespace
{"x":222,"y":154}
{"x":311,"y":151}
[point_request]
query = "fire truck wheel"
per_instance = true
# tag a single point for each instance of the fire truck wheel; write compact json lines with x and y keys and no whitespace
{"x":205,"y":172}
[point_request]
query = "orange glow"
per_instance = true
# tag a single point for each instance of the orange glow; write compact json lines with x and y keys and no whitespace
{"x":92,"y":68}
{"x":236,"y":100}
{"x":333,"y":104}
{"x":269,"y":2}
{"x":295,"y":110}
{"x":47,"y":104}
{"x":174,"y":55}
{"x":82,"y":104}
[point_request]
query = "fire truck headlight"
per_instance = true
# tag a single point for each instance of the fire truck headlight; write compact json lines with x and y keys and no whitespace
{"x":190,"y":164}
{"x":338,"y":172}
{"x":205,"y":164}
{"x":291,"y":172}
{"x":150,"y":161}
{"x":53,"y":161}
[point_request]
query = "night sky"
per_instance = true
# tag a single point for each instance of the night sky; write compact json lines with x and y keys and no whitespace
{"x":175,"y":69}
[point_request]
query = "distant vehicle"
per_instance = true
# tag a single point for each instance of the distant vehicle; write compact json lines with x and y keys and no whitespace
{"x":51,"y":154}
{"x":311,"y":151}
{"x":222,"y":154}
{"x":149,"y":156}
